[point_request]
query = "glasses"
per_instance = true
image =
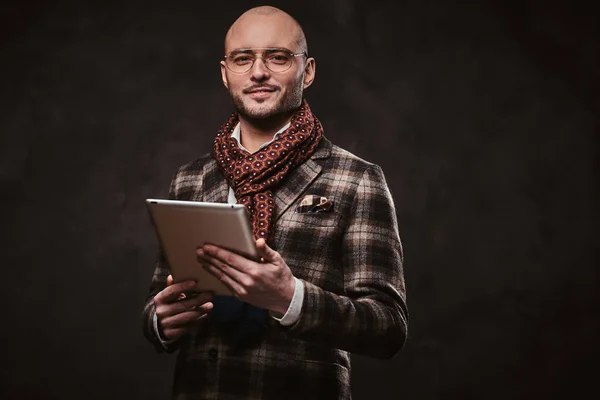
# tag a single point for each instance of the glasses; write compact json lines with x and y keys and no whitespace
{"x":276,"y":60}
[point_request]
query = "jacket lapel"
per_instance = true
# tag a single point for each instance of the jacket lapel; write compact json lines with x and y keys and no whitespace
{"x":299,"y":179}
{"x":216,"y":189}
{"x":215,"y":185}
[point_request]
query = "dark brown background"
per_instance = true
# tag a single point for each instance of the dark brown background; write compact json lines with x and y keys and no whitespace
{"x":484,"y":118}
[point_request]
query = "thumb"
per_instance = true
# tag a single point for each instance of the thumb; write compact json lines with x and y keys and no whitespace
{"x":169,"y":280}
{"x":265,"y":252}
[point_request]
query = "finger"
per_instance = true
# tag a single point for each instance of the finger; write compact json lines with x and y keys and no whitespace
{"x":206,"y":259}
{"x":185,"y":318}
{"x":164,"y":310}
{"x":187,"y":304}
{"x":265,"y":252}
{"x":170,"y":282}
{"x":227,"y":280}
{"x":236,"y":261}
{"x":236,"y":275}
{"x":181,"y":295}
{"x":171,"y":293}
{"x":175,"y":333}
{"x":233,"y":270}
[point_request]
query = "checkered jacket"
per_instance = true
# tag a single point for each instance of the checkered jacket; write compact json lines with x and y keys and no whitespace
{"x":350,"y":261}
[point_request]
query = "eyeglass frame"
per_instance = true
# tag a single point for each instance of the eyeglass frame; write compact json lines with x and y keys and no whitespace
{"x":264,"y":50}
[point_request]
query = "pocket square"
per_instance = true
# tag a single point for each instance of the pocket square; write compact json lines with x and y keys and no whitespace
{"x":313,"y":203}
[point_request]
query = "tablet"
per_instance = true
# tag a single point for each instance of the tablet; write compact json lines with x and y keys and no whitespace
{"x":183,"y":226}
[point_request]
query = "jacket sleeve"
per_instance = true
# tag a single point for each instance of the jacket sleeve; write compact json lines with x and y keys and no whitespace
{"x":371,"y":317}
{"x":158,"y":283}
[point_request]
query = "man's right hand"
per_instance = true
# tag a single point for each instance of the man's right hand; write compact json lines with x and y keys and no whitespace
{"x":177,"y":313}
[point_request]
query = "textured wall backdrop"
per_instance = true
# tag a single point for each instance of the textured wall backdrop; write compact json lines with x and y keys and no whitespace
{"x":484,"y":118}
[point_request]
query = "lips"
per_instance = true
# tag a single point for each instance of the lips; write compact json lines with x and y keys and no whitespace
{"x":260,"y":89}
{"x":259,"y":93}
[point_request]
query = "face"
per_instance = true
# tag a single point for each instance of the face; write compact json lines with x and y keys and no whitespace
{"x":261,"y":93}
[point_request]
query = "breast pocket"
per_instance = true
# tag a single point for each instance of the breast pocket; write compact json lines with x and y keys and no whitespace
{"x":323,"y":219}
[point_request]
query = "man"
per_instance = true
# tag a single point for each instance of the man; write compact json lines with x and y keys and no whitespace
{"x":330,"y":277}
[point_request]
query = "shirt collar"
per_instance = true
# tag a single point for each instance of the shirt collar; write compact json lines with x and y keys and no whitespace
{"x":238,"y":130}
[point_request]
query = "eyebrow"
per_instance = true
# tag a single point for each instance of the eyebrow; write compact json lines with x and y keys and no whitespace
{"x":249,"y":50}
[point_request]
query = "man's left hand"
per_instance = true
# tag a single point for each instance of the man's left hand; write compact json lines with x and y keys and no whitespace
{"x":267,"y":284}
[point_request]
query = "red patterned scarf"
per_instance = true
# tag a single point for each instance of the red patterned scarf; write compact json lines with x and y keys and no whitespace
{"x":253,"y":176}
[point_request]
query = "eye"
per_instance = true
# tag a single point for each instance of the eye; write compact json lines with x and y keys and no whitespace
{"x":242,"y":59}
{"x":278,"y":58}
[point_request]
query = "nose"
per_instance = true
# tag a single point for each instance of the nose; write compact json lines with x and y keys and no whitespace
{"x":259,"y":71}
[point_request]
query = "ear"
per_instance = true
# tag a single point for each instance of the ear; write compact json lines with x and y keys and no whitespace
{"x":309,"y":72}
{"x":224,"y":74}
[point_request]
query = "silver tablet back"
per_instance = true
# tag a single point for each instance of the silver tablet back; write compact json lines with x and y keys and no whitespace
{"x":183,"y":226}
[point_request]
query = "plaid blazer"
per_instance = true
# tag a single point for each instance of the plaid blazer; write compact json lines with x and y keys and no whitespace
{"x":350,"y":261}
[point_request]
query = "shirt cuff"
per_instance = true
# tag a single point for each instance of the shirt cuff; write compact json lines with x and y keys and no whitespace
{"x":293,"y":312}
{"x":165,"y":343}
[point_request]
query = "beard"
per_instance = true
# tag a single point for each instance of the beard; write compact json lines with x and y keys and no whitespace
{"x":284,"y":105}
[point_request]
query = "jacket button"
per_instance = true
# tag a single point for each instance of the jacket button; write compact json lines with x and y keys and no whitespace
{"x":213,"y":353}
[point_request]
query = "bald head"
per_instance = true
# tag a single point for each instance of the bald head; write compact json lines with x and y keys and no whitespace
{"x":265,"y":27}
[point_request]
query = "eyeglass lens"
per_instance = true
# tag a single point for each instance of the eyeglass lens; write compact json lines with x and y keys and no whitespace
{"x":275,"y":60}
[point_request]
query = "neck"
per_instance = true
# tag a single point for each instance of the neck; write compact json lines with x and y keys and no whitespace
{"x":256,"y":132}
